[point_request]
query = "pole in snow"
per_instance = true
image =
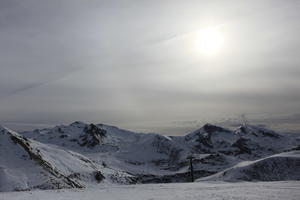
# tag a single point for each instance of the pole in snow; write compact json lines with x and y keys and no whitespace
{"x":191,"y":157}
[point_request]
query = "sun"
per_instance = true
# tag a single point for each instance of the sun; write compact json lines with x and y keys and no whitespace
{"x":208,"y":41}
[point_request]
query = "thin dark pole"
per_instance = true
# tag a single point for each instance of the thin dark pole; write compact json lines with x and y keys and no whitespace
{"x":191,"y":168}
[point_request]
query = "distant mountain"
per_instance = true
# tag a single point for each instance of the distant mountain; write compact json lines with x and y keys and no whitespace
{"x":81,"y":154}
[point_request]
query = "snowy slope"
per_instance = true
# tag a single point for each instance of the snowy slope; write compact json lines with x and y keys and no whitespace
{"x":22,"y":167}
{"x":27,"y":164}
{"x":120,"y":149}
{"x":283,"y":166}
{"x":261,"y":142}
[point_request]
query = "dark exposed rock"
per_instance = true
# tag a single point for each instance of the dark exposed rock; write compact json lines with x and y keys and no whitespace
{"x":99,"y":176}
{"x":134,"y":162}
{"x":60,"y":130}
{"x":211,"y":129}
{"x":242,"y":145}
{"x":214,"y":159}
{"x":92,"y":136}
{"x":269,"y":134}
{"x":205,"y":140}
{"x":242,"y":129}
{"x":297,"y":148}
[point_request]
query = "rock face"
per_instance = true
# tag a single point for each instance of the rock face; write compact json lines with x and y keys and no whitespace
{"x":80,"y":154}
{"x":92,"y":136}
{"x":243,"y":146}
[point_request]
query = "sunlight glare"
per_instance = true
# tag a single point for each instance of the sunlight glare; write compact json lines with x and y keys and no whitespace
{"x":208,"y":41}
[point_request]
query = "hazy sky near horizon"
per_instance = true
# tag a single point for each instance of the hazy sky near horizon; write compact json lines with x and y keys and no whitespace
{"x":134,"y":63}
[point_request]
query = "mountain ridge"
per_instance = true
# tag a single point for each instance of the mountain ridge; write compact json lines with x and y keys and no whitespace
{"x":119,"y":156}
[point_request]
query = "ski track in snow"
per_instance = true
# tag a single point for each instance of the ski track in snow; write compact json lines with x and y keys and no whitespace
{"x":283,"y":190}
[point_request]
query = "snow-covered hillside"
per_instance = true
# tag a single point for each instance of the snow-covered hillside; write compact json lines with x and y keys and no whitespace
{"x":279,"y":167}
{"x":81,"y":154}
{"x":27,"y":164}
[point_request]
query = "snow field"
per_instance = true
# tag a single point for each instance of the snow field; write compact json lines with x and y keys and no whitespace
{"x":288,"y":190}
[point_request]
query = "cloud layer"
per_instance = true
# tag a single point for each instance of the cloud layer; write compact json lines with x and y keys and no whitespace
{"x":132,"y":63}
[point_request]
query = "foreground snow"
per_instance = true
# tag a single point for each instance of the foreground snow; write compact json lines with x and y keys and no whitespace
{"x":288,"y":190}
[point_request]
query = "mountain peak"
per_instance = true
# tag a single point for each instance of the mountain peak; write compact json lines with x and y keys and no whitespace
{"x":78,"y":124}
{"x":210,"y":128}
{"x":211,"y":137}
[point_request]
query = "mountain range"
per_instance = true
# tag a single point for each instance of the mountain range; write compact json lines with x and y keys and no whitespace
{"x":79,"y":155}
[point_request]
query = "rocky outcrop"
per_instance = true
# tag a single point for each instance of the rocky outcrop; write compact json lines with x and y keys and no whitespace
{"x":92,"y":136}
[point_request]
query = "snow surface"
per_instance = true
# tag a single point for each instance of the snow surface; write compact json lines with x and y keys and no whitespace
{"x":180,"y":191}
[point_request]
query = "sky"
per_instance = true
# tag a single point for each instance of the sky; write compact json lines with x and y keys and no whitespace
{"x":135,"y":64}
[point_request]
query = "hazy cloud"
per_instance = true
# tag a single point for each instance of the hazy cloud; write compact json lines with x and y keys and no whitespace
{"x":133,"y":63}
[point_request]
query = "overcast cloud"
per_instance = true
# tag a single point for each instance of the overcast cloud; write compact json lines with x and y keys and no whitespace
{"x":131,"y":63}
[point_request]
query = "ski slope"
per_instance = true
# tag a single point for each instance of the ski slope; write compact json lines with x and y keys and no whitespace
{"x":180,"y":191}
{"x":278,"y":167}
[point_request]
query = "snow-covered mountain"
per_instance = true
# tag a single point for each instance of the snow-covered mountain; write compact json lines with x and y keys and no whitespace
{"x":278,"y":167}
{"x":80,"y":154}
{"x":27,"y":164}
